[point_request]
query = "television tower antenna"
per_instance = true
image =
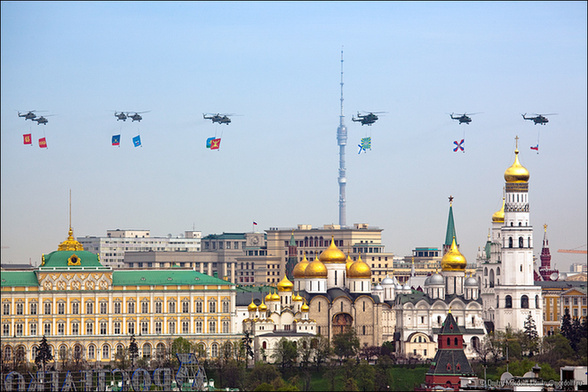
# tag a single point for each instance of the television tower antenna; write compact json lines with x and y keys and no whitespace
{"x":342,"y":142}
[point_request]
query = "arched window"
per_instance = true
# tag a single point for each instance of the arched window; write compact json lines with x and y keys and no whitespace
{"x":520,"y":242}
{"x":485,"y":271}
{"x":528,"y":242}
{"x":497,"y":271}
{"x":491,"y":278}
{"x":455,"y":341}
{"x":438,"y":319}
{"x":264,"y":345}
{"x":497,"y":301}
{"x":508,"y":302}
{"x":91,"y":351}
{"x":214,"y":350}
{"x":524,"y":302}
{"x":160,"y":350}
{"x":448,"y":341}
{"x":537,"y":302}
{"x":510,"y":241}
{"x":146,"y":350}
{"x":105,"y":352}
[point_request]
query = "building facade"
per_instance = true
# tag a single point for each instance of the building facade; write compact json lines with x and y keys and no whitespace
{"x":90,"y":311}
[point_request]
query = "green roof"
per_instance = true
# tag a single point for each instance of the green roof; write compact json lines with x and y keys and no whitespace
{"x":19,"y":279}
{"x":450,"y":228}
{"x":60,"y":259}
{"x":164,"y":277}
{"x":225,"y":236}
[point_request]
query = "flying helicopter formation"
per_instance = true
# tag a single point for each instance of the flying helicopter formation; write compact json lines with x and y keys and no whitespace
{"x":133,"y":116}
{"x":218,"y":118}
{"x":31,"y":115}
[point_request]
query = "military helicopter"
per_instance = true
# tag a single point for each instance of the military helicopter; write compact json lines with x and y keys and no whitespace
{"x":464,"y":118}
{"x":539,"y":118}
{"x":120,"y":116}
{"x":366,"y":119}
{"x":218,"y":118}
{"x":28,"y":116}
{"x":42,"y":120}
{"x":136,"y":116}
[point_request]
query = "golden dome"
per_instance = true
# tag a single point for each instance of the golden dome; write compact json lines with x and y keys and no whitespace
{"x":498,"y":216}
{"x":275,"y":296}
{"x":453,"y":260}
{"x":70,"y":243}
{"x":517,"y":172}
{"x":359,"y":270}
{"x":262,"y":307}
{"x":332,"y":254}
{"x":285,"y":284}
{"x":316,"y":269}
{"x":298,"y":271}
{"x":297,"y":298}
{"x":348,"y":263}
{"x":268,"y":297}
{"x":252,"y":307}
{"x":305,"y":307}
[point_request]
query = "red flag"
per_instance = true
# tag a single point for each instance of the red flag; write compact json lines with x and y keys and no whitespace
{"x":42,"y":142}
{"x":28,"y":139}
{"x":215,"y":144}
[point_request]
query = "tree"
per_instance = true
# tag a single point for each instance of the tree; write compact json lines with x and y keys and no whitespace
{"x":247,"y":342}
{"x":531,"y":336}
{"x":181,"y":345}
{"x":566,"y":326}
{"x":43,"y":354}
{"x":365,"y":375}
{"x":133,"y":350}
{"x":286,"y":354}
{"x":323,"y":350}
{"x":346,"y":344}
{"x":261,"y":373}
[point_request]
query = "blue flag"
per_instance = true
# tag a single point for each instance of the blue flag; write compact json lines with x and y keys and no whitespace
{"x":116,"y":140}
{"x":137,"y":141}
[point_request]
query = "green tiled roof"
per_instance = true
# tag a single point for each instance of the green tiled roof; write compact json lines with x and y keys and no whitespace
{"x":450,"y":228}
{"x":164,"y":277}
{"x":59,"y":259}
{"x":19,"y":279}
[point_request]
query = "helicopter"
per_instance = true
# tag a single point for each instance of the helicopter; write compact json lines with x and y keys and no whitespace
{"x":42,"y":120}
{"x":120,"y":116}
{"x":28,"y":116}
{"x":539,"y":118}
{"x":366,"y":119}
{"x":218,"y":118}
{"x":136,"y":116}
{"x":464,"y":118}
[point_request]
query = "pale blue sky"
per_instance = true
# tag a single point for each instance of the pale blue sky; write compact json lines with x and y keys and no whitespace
{"x":277,"y":65}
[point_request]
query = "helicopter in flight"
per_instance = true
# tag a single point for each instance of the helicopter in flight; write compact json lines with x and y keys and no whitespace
{"x":539,"y":118}
{"x":120,"y":116}
{"x":464,"y":118}
{"x":366,"y":119}
{"x":28,"y":116}
{"x":42,"y":120}
{"x":137,"y":116}
{"x":218,"y":118}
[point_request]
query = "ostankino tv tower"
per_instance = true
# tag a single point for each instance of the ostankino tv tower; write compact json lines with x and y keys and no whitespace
{"x":342,"y":142}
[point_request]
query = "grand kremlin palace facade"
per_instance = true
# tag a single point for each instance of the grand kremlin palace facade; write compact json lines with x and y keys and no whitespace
{"x":90,"y":311}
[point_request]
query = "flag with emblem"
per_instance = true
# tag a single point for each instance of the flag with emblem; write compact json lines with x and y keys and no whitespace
{"x":28,"y":139}
{"x":116,"y":140}
{"x":43,"y":142}
{"x":137,"y":141}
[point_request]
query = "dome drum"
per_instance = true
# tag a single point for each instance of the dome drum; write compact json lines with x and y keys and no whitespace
{"x":513,"y":187}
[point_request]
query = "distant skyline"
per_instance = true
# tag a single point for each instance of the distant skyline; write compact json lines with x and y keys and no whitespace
{"x":277,"y":66}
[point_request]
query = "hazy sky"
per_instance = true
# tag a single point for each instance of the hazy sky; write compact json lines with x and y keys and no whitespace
{"x":277,"y":65}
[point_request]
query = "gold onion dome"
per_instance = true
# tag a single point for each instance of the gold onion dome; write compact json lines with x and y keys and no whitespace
{"x":268,"y":297}
{"x":498,"y":216}
{"x":517,"y":172}
{"x":305,"y":307}
{"x":275,"y":296}
{"x":262,"y":307}
{"x":316,"y":269}
{"x":297,"y":298}
{"x":349,"y":263}
{"x":252,"y":307}
{"x":332,"y":254}
{"x":298,"y":272}
{"x":70,"y":243}
{"x":285,"y":284}
{"x":453,"y":260}
{"x":359,"y":270}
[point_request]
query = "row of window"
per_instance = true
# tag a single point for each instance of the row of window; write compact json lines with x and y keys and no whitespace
{"x":75,"y":307}
{"x":116,"y":328}
{"x":524,"y":302}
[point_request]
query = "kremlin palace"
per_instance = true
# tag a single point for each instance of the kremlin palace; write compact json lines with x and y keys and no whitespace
{"x":310,"y":282}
